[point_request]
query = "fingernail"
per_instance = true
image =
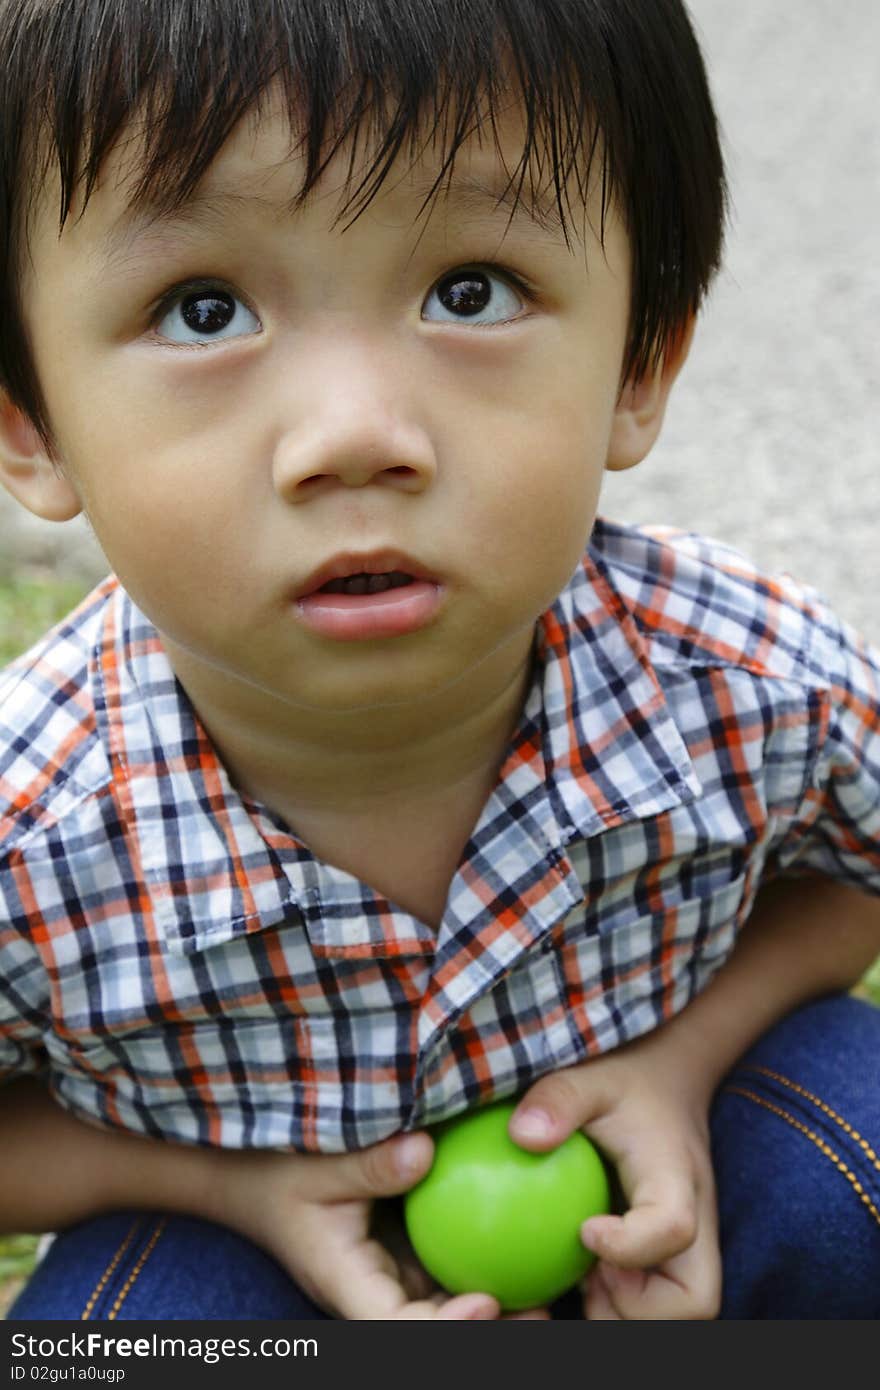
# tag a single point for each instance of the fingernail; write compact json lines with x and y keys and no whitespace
{"x":599,"y":1230}
{"x":533,"y":1124}
{"x":410,"y":1156}
{"x":591,"y":1235}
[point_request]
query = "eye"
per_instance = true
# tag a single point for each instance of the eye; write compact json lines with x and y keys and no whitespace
{"x":202,"y":314}
{"x":473,"y":296}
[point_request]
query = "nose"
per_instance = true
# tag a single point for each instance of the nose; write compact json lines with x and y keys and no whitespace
{"x":351,"y":432}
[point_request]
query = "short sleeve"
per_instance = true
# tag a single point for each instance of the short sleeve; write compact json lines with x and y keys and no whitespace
{"x":836,"y":828}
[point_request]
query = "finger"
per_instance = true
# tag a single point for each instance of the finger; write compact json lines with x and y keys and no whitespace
{"x":364,"y":1284}
{"x":686,"y":1288}
{"x":372,"y":1289}
{"x":555,"y":1107}
{"x":597,"y":1300}
{"x":414,"y":1278}
{"x":467,"y":1307}
{"x":661,"y":1222}
{"x":383,"y":1170}
{"x":389,"y":1229}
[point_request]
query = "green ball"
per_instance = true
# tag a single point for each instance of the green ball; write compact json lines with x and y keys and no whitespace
{"x":490,"y":1217}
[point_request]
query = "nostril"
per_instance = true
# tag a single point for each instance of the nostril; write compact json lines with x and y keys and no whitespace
{"x":405,"y":478}
{"x":315,"y":482}
{"x":301,"y":478}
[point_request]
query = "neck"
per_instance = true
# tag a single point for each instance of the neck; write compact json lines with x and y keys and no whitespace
{"x":298,"y":760}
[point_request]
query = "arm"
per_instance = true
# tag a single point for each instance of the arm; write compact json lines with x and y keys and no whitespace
{"x":647,"y":1104}
{"x":313,"y":1213}
{"x":805,"y":937}
{"x":59,"y":1170}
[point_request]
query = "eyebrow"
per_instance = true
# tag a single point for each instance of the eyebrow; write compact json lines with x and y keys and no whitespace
{"x":475,"y":196}
{"x":473,"y":199}
{"x":202,"y":211}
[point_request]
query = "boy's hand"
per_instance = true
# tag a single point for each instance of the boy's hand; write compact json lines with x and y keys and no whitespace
{"x":661,"y":1259}
{"x":314,"y":1214}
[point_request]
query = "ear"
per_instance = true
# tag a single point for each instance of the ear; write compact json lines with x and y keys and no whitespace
{"x":642,"y":405}
{"x":28,"y":471}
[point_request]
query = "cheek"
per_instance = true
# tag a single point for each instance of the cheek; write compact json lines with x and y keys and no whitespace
{"x":155,"y":487}
{"x":179,"y":544}
{"x":540,"y":489}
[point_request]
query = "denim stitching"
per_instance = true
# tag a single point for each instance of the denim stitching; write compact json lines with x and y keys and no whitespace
{"x":821,"y":1105}
{"x":820,"y":1143}
{"x":145,"y":1255}
{"x":86,"y":1314}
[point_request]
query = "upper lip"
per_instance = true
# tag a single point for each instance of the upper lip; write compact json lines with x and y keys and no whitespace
{"x":343,"y":566}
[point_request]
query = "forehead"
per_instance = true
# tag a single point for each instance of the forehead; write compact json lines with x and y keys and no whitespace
{"x":498,"y":167}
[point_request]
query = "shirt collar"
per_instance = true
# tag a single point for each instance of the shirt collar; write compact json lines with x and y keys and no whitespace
{"x":596,"y":746}
{"x":207,"y":870}
{"x":612,"y":750}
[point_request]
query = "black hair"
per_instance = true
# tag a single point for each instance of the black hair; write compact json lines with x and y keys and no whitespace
{"x":611,"y":89}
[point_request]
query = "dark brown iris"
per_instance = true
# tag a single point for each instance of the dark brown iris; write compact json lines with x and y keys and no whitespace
{"x":465,"y":293}
{"x":208,"y":312}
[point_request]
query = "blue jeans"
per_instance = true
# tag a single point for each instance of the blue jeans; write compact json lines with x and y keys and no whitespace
{"x":795,"y":1136}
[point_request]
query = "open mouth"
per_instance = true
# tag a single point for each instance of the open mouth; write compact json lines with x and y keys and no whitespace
{"x":370,"y":601}
{"x":367,"y":583}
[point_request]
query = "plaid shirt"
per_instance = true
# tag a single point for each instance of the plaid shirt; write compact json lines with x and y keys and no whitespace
{"x":174,"y":961}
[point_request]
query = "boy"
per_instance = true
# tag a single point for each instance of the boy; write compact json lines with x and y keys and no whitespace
{"x":382,"y":779}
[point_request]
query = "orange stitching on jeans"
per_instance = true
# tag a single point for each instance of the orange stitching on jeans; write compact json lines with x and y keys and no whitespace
{"x":820,"y":1104}
{"x":823,"y":1148}
{"x":87,"y":1311}
{"x":126,"y":1288}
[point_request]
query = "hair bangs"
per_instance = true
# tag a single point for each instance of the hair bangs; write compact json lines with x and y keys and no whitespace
{"x":383,"y":81}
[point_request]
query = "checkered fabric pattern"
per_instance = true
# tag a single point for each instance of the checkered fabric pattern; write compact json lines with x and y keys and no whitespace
{"x":176,"y":962}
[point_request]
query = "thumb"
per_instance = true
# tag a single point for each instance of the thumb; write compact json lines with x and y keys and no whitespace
{"x":383,"y":1170}
{"x":553,"y":1109}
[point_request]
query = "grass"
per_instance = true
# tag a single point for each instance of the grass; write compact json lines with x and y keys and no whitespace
{"x":27,"y":608}
{"x":869,"y":988}
{"x":16,"y":1254}
{"x":16,"y":1262}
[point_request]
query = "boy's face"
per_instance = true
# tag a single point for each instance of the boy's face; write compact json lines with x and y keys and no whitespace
{"x":315,"y":390}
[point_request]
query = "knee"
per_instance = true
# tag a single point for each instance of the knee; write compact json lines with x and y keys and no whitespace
{"x":155,"y":1267}
{"x":796,"y":1149}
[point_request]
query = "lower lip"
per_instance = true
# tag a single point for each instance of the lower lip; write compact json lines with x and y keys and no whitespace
{"x":360,"y":617}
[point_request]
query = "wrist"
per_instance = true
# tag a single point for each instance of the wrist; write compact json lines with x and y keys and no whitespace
{"x":694,"y":1051}
{"x":118,"y":1169}
{"x":167,"y":1176}
{"x":231,"y":1188}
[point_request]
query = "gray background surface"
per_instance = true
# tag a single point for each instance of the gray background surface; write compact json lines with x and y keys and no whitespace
{"x":770,"y":441}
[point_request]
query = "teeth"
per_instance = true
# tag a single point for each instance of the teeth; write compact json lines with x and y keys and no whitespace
{"x":367,"y":583}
